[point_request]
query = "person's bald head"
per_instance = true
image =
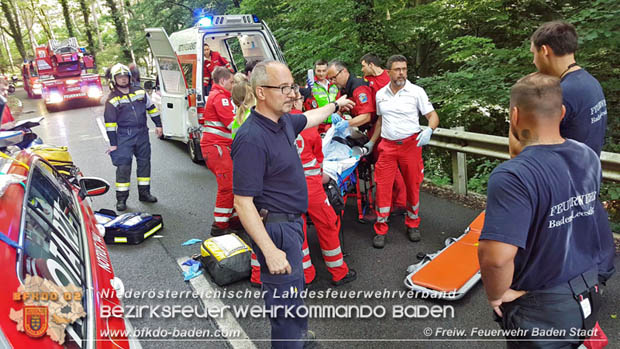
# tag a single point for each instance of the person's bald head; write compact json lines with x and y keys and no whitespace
{"x":537,"y":96}
{"x":274,"y":88}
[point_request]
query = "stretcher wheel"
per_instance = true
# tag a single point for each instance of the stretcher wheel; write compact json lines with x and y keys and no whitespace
{"x":449,"y":241}
{"x":195,"y":153}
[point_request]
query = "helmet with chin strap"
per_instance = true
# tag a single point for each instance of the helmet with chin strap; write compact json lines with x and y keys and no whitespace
{"x":119,"y":70}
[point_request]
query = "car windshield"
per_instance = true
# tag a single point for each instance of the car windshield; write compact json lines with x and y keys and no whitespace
{"x":52,"y":235}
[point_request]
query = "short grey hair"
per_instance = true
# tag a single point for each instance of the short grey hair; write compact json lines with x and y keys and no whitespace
{"x":338,"y":64}
{"x":260,"y":75}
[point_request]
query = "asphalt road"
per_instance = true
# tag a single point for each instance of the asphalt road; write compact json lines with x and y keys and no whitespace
{"x":186,"y":193}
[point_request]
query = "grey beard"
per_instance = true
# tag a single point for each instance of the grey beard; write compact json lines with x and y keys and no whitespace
{"x":400,"y":82}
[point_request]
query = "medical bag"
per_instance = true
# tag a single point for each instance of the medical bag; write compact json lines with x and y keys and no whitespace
{"x":128,"y":228}
{"x":226,"y":258}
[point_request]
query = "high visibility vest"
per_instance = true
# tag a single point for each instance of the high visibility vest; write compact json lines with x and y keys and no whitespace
{"x":236,"y":125}
{"x":324,"y":97}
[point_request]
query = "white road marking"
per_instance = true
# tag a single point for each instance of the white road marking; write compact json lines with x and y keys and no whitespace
{"x":226,"y":323}
{"x":102,"y":130}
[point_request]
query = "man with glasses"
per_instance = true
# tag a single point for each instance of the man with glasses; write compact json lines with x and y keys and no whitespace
{"x":399,"y":105}
{"x":271,"y":194}
{"x":359,"y":91}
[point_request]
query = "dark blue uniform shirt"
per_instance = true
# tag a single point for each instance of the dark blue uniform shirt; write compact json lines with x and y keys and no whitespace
{"x":266,"y":164}
{"x":543,"y":201}
{"x":586,"y":110}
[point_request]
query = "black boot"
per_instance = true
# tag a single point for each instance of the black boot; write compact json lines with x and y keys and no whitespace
{"x":121,"y":200}
{"x":144,"y":193}
{"x":121,"y":205}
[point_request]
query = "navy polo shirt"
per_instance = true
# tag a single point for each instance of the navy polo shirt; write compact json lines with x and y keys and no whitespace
{"x":544,"y":201}
{"x":266,"y":164}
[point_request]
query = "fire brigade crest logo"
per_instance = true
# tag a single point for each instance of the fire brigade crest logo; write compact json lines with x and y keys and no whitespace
{"x":363,"y":98}
{"x":35,"y":320}
{"x":314,"y":105}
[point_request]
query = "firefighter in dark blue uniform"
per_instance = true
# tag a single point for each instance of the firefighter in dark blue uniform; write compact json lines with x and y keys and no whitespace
{"x":125,"y":122}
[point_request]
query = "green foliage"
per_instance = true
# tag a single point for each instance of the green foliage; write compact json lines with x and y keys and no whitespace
{"x":483,"y":168}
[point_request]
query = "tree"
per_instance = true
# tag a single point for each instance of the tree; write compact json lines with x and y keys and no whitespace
{"x":89,"y":29}
{"x":119,"y":26}
{"x":67,"y":15}
{"x":10,"y":12}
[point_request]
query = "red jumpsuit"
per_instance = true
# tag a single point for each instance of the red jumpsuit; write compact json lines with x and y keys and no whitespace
{"x":209,"y":66}
{"x":215,"y":145}
{"x":399,"y":191}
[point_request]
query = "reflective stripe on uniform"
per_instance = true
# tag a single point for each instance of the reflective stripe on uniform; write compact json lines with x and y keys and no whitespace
{"x":331,"y":253}
{"x":144,"y":180}
{"x":122,"y":186}
{"x":382,"y":219}
{"x":384,"y":209}
{"x":314,"y":172}
{"x":307,"y":264}
{"x":310,"y":163}
{"x":306,"y":251}
{"x":414,"y":207}
{"x":216,"y":132}
{"x":214,"y":123}
{"x":230,"y":126}
{"x":334,"y":264}
{"x":222,"y":210}
{"x":153,"y":111}
{"x":412,"y":215}
{"x":254,"y":263}
{"x":111,"y":126}
{"x":221,"y":219}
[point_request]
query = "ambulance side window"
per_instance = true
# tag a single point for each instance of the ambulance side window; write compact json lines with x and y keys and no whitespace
{"x":188,"y":73}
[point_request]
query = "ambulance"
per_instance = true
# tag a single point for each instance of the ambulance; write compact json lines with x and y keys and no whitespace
{"x":179,"y":60}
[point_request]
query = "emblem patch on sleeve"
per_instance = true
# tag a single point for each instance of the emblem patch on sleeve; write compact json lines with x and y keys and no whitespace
{"x":362,"y":98}
{"x":225,"y":102}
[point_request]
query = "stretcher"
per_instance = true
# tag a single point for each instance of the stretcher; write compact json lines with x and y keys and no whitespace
{"x":452,"y":271}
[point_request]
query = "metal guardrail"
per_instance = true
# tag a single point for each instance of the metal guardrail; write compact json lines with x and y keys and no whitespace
{"x":460,"y":142}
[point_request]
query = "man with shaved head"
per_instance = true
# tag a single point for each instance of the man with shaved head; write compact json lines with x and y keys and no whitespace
{"x":270,"y":194}
{"x":539,"y":246}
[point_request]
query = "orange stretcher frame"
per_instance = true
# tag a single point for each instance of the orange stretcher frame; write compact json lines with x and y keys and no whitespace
{"x":452,"y":271}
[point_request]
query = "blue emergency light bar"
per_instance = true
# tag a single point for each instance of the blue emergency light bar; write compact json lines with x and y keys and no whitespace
{"x":206,"y":21}
{"x":255,"y":19}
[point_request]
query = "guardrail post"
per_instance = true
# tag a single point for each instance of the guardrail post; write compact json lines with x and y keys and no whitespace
{"x":459,"y":169}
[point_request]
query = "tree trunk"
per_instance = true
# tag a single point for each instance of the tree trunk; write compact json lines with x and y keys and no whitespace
{"x":14,"y":30}
{"x":47,"y":22}
{"x":40,"y":15}
{"x":29,"y":22}
{"x":363,"y":17}
{"x":67,"y":15}
{"x":93,"y":7}
{"x":125,"y":15}
{"x":119,"y":27}
{"x":89,"y":29}
{"x":8,"y":49}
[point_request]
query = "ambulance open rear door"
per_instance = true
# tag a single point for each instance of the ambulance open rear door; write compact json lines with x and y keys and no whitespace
{"x":174,"y":104}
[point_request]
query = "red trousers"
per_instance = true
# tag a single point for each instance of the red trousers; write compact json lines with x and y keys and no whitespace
{"x":399,"y":192}
{"x":220,"y":163}
{"x":405,"y":156}
{"x":327,"y":225}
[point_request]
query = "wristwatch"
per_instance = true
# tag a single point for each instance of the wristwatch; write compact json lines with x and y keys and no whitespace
{"x":337,"y":107}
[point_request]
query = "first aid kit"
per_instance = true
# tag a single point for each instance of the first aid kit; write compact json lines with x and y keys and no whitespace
{"x":59,"y":157}
{"x":128,"y":228}
{"x":226,"y":258}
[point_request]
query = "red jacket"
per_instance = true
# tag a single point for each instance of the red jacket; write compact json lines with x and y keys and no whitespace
{"x":209,"y":66}
{"x":310,"y":148}
{"x":218,"y":117}
{"x":377,"y":82}
{"x":6,"y":115}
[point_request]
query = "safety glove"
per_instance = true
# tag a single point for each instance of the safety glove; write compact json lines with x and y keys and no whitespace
{"x":424,"y":137}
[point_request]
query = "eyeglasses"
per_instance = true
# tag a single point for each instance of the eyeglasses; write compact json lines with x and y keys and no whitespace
{"x":333,"y":78}
{"x":285,"y":89}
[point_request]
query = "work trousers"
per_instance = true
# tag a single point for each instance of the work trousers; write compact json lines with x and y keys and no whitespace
{"x":132,"y":142}
{"x":406,"y":156}
{"x":286,"y":332}
{"x":219,"y":162}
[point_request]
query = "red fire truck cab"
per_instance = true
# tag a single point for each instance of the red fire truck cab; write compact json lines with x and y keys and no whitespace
{"x":30,"y":76}
{"x":63,"y":72}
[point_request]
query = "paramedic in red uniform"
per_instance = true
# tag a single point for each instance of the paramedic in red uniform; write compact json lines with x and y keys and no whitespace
{"x":215,"y":145}
{"x":378,"y":77}
{"x":399,"y":105}
{"x":358,"y":91}
{"x":212,"y":59}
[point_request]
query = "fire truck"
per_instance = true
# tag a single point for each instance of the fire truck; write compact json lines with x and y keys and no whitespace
{"x":30,"y":77}
{"x":63,"y":73}
{"x":179,"y":60}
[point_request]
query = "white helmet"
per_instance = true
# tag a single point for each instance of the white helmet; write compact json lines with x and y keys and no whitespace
{"x":118,"y":70}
